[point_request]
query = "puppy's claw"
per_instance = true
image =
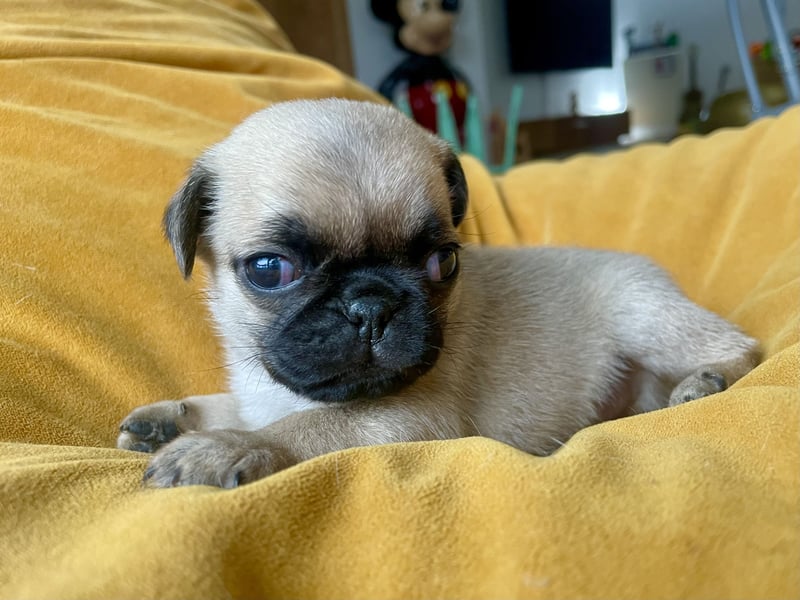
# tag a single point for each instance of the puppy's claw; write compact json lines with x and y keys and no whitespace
{"x":231,"y":482}
{"x":145,"y":447}
{"x":149,"y":427}
{"x":225,"y":458}
{"x":715,"y":379}
{"x":176,"y":477}
{"x":143,"y":429}
{"x":699,"y":384}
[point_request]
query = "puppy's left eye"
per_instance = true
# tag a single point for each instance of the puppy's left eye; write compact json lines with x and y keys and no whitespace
{"x":442,"y":263}
{"x":270,"y":271}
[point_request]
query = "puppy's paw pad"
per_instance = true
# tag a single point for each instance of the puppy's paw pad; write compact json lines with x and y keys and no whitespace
{"x":699,"y":384}
{"x":149,"y":427}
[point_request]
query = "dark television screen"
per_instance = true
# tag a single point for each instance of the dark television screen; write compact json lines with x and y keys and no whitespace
{"x":558,"y":35}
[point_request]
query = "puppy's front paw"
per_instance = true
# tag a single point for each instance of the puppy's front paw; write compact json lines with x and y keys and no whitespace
{"x":149,"y":427}
{"x":223,"y":458}
{"x":699,"y":384}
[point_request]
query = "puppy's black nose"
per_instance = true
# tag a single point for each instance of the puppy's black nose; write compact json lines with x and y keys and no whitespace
{"x":369,"y":314}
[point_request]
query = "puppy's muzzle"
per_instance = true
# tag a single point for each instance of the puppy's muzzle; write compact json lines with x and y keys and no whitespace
{"x":373,"y":332}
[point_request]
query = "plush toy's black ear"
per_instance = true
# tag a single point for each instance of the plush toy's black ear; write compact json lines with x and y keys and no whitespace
{"x":186,"y":217}
{"x":458,"y":188}
{"x":386,"y":11}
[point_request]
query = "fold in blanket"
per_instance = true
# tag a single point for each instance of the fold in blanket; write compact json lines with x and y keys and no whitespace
{"x":103,"y":105}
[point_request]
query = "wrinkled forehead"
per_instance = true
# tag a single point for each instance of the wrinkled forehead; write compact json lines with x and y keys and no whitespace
{"x":354,"y":197}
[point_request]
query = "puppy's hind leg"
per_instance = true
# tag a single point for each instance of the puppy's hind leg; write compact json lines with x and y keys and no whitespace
{"x":694,"y":351}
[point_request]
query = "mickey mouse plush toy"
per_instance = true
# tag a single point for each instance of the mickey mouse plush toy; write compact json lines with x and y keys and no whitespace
{"x":424,"y":28}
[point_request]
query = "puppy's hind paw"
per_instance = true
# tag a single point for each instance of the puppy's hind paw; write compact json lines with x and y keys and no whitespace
{"x":149,"y":427}
{"x":701,"y":383}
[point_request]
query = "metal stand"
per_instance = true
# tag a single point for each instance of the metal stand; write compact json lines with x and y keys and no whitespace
{"x":789,"y":71}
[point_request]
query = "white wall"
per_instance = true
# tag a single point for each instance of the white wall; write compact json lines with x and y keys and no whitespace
{"x":479,"y":50}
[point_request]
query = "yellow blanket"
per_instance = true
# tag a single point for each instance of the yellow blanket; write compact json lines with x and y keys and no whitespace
{"x":102,"y":107}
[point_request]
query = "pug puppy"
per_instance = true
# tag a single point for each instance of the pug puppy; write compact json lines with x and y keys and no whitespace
{"x":352,"y":315}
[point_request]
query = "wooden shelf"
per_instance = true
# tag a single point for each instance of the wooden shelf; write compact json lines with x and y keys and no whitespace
{"x":568,"y":135}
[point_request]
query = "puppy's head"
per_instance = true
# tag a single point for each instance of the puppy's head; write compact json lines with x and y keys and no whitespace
{"x":329,"y":230}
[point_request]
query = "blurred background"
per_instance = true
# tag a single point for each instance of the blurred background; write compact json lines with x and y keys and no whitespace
{"x":593,"y":75}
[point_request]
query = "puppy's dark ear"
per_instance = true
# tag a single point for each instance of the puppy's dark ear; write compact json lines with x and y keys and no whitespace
{"x":458,"y":188}
{"x":187,"y":215}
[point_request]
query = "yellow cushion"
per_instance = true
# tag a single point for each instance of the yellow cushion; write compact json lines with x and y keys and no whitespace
{"x":104,"y":106}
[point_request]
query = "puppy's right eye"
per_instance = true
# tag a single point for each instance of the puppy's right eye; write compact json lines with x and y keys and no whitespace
{"x":270,"y":271}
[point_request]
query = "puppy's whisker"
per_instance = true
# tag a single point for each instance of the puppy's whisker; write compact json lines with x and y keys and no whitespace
{"x":254,"y":362}
{"x":204,"y":294}
{"x":249,"y":361}
{"x":478,"y":213}
{"x":246,"y":347}
{"x":217,"y":368}
{"x":474,"y":424}
{"x":242,"y":362}
{"x":260,"y":377}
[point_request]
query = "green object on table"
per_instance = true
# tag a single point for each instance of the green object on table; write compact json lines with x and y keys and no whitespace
{"x":473,"y":127}
{"x":473,"y":130}
{"x":446,"y":122}
{"x":404,"y":106}
{"x":512,"y":126}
